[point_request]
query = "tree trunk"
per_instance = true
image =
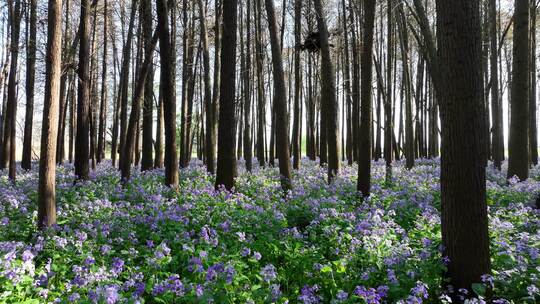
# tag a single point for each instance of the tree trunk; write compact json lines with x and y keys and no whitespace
{"x":226,"y":164}
{"x":10,"y":123}
{"x":261,"y":113}
{"x":26,"y":162}
{"x":518,"y":148}
{"x":210,"y":139}
{"x":533,"y":131}
{"x":280,"y":103}
{"x":388,"y":125}
{"x":131,"y":145}
{"x":329,"y":97}
{"x":47,"y":168}
{"x":82,"y":149}
{"x":147,"y":162}
{"x":297,"y":131}
{"x":124,"y":85}
{"x":248,"y":151}
{"x":169,"y":97}
{"x":364,"y":155}
{"x":463,"y":176}
{"x":103,"y":106}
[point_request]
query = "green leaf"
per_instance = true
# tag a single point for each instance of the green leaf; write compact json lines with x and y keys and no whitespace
{"x":479,"y":289}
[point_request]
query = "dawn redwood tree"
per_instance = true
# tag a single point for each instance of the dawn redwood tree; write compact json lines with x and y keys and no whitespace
{"x":388,"y":125}
{"x":26,"y":162}
{"x":134,"y":118}
{"x":226,"y":162}
{"x":496,"y":108}
{"x":103,"y":105}
{"x":10,"y":117}
{"x":53,"y":72}
{"x":366,"y":72}
{"x":328,"y":97}
{"x":296,"y":136}
{"x":518,"y":147}
{"x":169,"y":97}
{"x":247,"y":143}
{"x":280,"y":100}
{"x":82,"y":140}
{"x":533,"y":128}
{"x":463,"y":176}
{"x":147,"y":162}
{"x":209,"y":134}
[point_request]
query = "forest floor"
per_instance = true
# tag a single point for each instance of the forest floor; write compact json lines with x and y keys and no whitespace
{"x":320,"y":244}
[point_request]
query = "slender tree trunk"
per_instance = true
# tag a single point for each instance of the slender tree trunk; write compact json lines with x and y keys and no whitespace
{"x":158,"y":161}
{"x":26,"y":162}
{"x":124,"y":83}
{"x":47,"y":168}
{"x":297,"y":131}
{"x":533,"y":130}
{"x":147,"y":162}
{"x":169,"y":96}
{"x":131,"y":144}
{"x":82,"y":149}
{"x":10,"y":123}
{"x":280,"y":104}
{"x":103,"y":106}
{"x":261,"y":113}
{"x":518,"y":149}
{"x":495,"y":100}
{"x":364,"y":156}
{"x":329,"y":97}
{"x":248,"y":151}
{"x":226,"y":163}
{"x":388,"y":125}
{"x":210,"y":140}
{"x":463,"y":180}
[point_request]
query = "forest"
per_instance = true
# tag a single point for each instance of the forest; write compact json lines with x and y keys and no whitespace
{"x":269,"y":151}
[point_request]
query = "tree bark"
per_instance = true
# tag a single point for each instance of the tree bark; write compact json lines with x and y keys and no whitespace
{"x":280,"y":102}
{"x":169,"y":96}
{"x":463,"y":177}
{"x":533,"y":128}
{"x":147,"y":162}
{"x":47,"y":168}
{"x":518,"y":148}
{"x":365,"y":141}
{"x":10,"y":123}
{"x":82,"y":149}
{"x":226,"y":163}
{"x":26,"y":162}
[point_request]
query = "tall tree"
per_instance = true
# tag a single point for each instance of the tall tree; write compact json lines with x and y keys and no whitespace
{"x":259,"y":59}
{"x":130,"y":144}
{"x":169,"y":97}
{"x":210,"y":139}
{"x":463,"y":159}
{"x":226,"y":163}
{"x":82,"y":140}
{"x":280,"y":102}
{"x":518,"y":148}
{"x":296,"y":136}
{"x":26,"y":162}
{"x":103,"y":105}
{"x":247,"y":147}
{"x":147,"y":161}
{"x":328,"y":96}
{"x":388,"y":125}
{"x":366,"y":67}
{"x":10,"y":117}
{"x":47,"y":168}
{"x":533,"y":128}
{"x":495,"y":100}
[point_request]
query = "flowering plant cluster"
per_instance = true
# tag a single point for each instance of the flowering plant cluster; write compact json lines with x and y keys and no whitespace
{"x":144,"y":243}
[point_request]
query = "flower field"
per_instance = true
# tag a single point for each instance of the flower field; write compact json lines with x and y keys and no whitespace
{"x":144,"y":243}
